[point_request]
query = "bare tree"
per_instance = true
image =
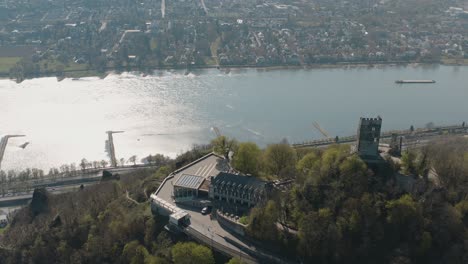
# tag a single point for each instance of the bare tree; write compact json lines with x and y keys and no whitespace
{"x":83,"y":164}
{"x":133,"y":159}
{"x":104,"y":163}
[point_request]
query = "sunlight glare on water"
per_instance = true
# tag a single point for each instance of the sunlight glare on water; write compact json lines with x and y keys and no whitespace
{"x":168,"y":112}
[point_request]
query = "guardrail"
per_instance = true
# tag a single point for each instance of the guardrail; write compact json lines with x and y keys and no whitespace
{"x":383,"y":135}
{"x":218,"y":246}
{"x":77,"y":174}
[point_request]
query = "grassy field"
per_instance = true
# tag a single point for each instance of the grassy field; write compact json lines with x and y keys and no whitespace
{"x":7,"y":62}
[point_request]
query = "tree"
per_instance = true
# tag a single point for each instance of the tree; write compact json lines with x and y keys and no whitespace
{"x":133,"y":159}
{"x":462,"y":208}
{"x":191,"y":253}
{"x":318,"y":234}
{"x":83,"y":164}
{"x":247,"y":158}
{"x":353,"y":176}
{"x":405,"y":218}
{"x":408,"y":160}
{"x":135,"y":253}
{"x":262,"y":222}
{"x":222,"y":145}
{"x":104,"y":163}
{"x":280,"y":159}
{"x":331,"y":160}
{"x":449,"y":159}
{"x":309,"y":166}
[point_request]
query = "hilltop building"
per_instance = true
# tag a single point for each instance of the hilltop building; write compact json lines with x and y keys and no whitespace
{"x":368,"y":136}
{"x":210,"y":179}
{"x":189,"y":187}
{"x":238,"y":189}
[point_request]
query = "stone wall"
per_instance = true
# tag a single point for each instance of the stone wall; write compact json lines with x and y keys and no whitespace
{"x":230,"y":224}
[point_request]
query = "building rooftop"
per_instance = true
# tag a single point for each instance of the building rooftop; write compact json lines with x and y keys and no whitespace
{"x":209,"y":165}
{"x":239,"y":180}
{"x":189,"y":181}
{"x":179,"y":215}
{"x":206,"y":167}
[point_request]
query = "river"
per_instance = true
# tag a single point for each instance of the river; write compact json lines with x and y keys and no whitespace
{"x":168,"y":112}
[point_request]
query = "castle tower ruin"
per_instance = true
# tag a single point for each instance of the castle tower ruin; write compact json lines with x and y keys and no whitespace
{"x":368,"y":136}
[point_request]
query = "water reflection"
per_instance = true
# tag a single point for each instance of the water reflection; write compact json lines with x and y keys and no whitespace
{"x":169,"y":111}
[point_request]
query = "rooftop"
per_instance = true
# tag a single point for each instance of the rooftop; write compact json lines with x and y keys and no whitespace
{"x":209,"y":165}
{"x":189,"y":181}
{"x":240,"y":180}
{"x":205,"y":167}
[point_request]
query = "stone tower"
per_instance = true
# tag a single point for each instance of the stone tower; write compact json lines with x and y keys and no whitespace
{"x":368,"y":137}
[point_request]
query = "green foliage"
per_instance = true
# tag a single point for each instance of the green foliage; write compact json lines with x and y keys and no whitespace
{"x":426,"y":243}
{"x":331,"y":160}
{"x":191,"y":253}
{"x":235,"y":261}
{"x":462,"y":208}
{"x":262,"y":224}
{"x":134,"y":253}
{"x":341,"y":211}
{"x":353,"y":176}
{"x":247,"y":158}
{"x":222,"y":145}
{"x":408,"y":160}
{"x":163,"y":172}
{"x":280,"y":160}
{"x":244,"y":220}
{"x":402,"y":211}
{"x":318,"y":234}
{"x":405,"y":218}
{"x":309,"y":166}
{"x":99,"y":225}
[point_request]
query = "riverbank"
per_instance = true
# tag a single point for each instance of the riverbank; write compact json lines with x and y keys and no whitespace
{"x":82,"y":73}
{"x":167,"y":112}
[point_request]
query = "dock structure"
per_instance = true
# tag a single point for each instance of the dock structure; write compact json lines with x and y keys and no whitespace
{"x":3,"y":145}
{"x":111,"y":148}
{"x":407,"y":134}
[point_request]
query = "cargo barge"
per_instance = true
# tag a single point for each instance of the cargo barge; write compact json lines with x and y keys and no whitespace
{"x":414,"y":81}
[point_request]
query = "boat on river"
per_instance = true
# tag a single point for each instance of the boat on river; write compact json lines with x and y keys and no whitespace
{"x":414,"y":81}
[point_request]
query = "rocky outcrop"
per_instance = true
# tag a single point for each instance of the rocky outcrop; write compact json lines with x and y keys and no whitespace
{"x":40,"y":201}
{"x":56,"y":222}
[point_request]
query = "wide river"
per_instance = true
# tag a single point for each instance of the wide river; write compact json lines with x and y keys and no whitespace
{"x":168,"y":112}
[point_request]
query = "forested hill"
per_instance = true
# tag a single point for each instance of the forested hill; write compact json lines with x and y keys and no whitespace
{"x":107,"y":223}
{"x":338,"y":209}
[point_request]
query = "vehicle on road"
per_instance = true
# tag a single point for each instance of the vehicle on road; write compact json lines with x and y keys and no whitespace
{"x":206,"y":210}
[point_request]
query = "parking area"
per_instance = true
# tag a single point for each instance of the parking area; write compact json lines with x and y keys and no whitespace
{"x":209,"y":165}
